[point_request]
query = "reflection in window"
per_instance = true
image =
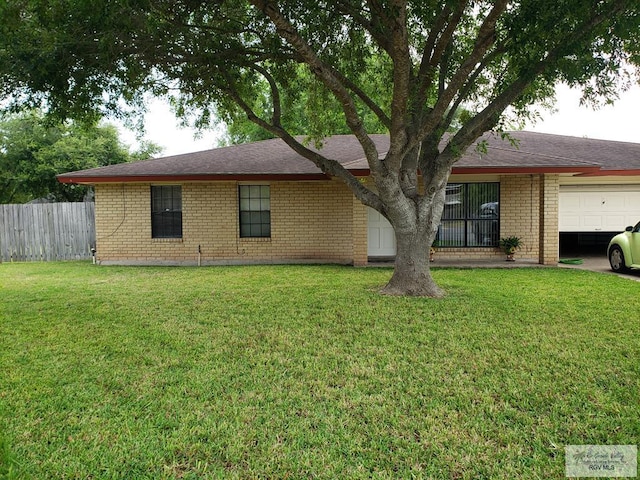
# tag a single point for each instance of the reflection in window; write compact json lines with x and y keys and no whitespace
{"x":166,"y":211}
{"x":255,"y":211}
{"x":471,"y":216}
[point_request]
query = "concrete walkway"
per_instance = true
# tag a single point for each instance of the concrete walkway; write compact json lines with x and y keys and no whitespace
{"x":598,"y":264}
{"x":448,"y":263}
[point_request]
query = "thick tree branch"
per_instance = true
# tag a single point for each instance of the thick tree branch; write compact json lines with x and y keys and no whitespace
{"x":442,"y":32}
{"x":373,"y":106}
{"x":326,"y":165}
{"x":468,"y":87}
{"x":484,"y":41}
{"x":401,"y":80}
{"x":489,"y":116}
{"x":275,"y":95}
{"x":373,"y":26}
{"x":409,"y":174}
{"x":325,"y":74}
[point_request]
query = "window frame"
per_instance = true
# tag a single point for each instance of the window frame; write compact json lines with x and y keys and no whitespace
{"x":166,"y":222}
{"x":471,"y":219}
{"x":255,"y":206}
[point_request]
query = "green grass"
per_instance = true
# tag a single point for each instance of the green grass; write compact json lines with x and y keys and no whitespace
{"x":307,"y":372}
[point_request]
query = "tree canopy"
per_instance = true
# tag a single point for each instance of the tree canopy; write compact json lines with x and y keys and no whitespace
{"x":408,"y":65}
{"x":33,"y":151}
{"x":311,"y":111}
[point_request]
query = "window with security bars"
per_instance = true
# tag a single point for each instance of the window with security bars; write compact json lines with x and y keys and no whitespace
{"x":166,"y":211}
{"x":471,"y":216}
{"x":255,"y":211}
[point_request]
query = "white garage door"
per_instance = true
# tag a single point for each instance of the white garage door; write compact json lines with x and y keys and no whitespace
{"x":381,"y":237}
{"x":599,"y":208}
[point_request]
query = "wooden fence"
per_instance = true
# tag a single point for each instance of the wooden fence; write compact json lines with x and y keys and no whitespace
{"x":47,"y":231}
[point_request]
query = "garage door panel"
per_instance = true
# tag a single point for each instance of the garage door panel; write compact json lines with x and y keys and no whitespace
{"x":614,"y":203}
{"x":570,"y":222}
{"x":598,"y":208}
{"x":571,"y":201}
{"x":612,"y":222}
{"x":593,"y":222}
{"x":591,"y":202}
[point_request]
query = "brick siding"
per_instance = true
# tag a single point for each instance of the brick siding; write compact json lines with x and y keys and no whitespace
{"x":520,"y":212}
{"x":310,"y":221}
{"x":549,"y":220}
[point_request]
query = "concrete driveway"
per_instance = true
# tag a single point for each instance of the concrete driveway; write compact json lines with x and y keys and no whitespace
{"x":600,"y":263}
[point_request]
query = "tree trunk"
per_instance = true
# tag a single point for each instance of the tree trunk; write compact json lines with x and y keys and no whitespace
{"x":412,"y":273}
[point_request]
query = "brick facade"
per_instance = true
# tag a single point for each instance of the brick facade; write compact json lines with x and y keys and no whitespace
{"x":549,"y":220}
{"x":520,"y":212}
{"x":311,"y":221}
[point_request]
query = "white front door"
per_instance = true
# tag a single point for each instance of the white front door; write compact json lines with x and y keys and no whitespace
{"x":381,"y":237}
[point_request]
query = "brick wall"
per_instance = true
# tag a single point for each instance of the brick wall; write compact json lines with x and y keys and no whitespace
{"x":529,"y":210}
{"x":520,"y":212}
{"x":549,"y":219}
{"x":310,"y":221}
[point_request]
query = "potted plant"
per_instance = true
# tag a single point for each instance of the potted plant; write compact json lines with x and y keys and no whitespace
{"x":510,"y":245}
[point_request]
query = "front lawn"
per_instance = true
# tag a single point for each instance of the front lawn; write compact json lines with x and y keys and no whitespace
{"x":307,"y":372}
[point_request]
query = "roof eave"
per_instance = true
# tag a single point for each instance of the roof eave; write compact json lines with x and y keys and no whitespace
{"x":524,"y":170}
{"x":612,"y":173}
{"x":94,"y":179}
{"x":361,"y":172}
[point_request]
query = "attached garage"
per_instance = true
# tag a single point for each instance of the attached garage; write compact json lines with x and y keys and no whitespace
{"x":591,"y":214}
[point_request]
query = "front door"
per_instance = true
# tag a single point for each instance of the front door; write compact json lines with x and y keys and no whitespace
{"x":381,"y":237}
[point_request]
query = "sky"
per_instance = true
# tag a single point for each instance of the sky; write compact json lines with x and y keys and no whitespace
{"x":613,"y":122}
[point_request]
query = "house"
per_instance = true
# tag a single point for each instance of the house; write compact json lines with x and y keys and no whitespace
{"x":263,"y":203}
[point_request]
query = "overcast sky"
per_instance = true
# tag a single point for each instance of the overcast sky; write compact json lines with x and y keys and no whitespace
{"x":617,"y":122}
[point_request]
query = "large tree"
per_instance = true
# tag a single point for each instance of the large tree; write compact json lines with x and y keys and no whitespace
{"x":312,"y":112}
{"x":33,"y":151}
{"x":411,"y":64}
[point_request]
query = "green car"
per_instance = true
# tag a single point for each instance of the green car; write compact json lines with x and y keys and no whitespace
{"x":624,"y":249}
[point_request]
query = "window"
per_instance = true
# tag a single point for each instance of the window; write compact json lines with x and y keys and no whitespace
{"x":471,"y":216}
{"x":166,"y":211}
{"x":255,"y":211}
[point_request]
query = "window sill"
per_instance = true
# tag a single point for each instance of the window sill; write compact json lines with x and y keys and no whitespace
{"x":255,"y":239}
{"x":166,"y":240}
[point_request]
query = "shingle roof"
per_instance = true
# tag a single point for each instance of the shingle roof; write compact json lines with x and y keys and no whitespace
{"x":273,"y":158}
{"x":558,"y":150}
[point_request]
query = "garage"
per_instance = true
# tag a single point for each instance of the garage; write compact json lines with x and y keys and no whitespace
{"x":590,"y":215}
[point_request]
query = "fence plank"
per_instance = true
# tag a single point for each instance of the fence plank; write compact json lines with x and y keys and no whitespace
{"x":47,"y":231}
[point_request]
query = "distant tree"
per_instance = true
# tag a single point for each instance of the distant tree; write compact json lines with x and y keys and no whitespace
{"x":411,"y":64}
{"x":33,"y":151}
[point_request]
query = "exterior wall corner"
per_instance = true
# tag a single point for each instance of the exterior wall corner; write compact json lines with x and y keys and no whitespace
{"x":549,"y":219}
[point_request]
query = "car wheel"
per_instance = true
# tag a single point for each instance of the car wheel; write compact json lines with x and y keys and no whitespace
{"x":616,"y":259}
